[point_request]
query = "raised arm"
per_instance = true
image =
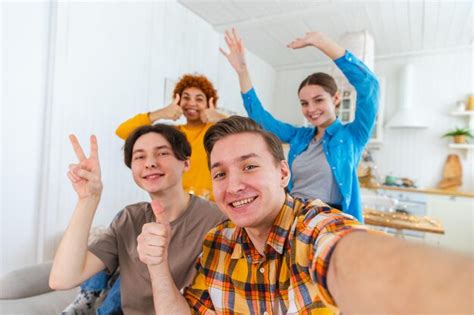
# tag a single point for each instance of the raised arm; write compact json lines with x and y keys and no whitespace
{"x":379,"y":274}
{"x":172,"y":111}
{"x":73,"y":263}
{"x":364,"y":81}
{"x":152,"y":250}
{"x":236,"y":58}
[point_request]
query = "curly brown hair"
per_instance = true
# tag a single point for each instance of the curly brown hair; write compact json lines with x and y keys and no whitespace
{"x":197,"y":81}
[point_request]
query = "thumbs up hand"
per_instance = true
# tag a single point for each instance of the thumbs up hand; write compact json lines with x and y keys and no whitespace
{"x":152,"y":243}
{"x":210,"y":114}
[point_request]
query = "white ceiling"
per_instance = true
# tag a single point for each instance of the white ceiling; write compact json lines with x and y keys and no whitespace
{"x":398,"y":27}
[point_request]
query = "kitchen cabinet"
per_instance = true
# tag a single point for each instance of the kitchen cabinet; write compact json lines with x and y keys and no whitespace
{"x":346,"y":110}
{"x":455,"y":213}
{"x":457,"y":217}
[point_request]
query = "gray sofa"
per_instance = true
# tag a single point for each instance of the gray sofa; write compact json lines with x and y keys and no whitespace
{"x":26,"y":291}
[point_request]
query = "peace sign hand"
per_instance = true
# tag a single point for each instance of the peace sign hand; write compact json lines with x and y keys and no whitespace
{"x":85,"y":176}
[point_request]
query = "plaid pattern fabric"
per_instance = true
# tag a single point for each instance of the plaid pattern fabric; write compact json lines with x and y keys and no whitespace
{"x":233,"y":278}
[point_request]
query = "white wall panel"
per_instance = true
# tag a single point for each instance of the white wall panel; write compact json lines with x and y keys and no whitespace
{"x":110,"y":62}
{"x":24,"y":46}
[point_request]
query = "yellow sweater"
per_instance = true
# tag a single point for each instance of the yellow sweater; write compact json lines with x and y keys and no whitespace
{"x":198,"y":179}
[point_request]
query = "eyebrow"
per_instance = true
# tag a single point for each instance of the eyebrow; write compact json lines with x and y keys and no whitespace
{"x":199,"y":94}
{"x":240,"y":159}
{"x":155,"y":148}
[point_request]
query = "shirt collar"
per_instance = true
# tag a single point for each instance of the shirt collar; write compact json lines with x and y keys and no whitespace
{"x":278,"y":233}
{"x":334,"y":127}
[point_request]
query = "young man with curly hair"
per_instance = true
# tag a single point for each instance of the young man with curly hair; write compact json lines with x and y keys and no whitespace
{"x":194,"y":97}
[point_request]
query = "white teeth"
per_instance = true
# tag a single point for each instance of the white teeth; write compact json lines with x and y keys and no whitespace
{"x":240,"y":203}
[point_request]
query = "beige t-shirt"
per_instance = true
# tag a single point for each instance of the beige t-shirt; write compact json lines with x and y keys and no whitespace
{"x":118,"y":247}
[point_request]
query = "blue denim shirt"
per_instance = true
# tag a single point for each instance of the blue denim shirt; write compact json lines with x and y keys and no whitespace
{"x":343,"y":144}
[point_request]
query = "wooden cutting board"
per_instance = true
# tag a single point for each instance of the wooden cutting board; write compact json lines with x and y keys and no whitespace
{"x":452,"y":173}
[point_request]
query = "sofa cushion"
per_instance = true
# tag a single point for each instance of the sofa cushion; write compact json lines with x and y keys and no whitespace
{"x":25,"y":282}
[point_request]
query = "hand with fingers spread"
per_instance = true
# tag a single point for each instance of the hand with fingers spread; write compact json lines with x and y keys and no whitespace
{"x":236,"y":58}
{"x":210,"y":114}
{"x":153,"y":242}
{"x":85,"y":175}
{"x":172,"y":111}
{"x":236,"y":54}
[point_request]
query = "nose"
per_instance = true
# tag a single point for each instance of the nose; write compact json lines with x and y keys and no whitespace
{"x":312,"y":107}
{"x":235,"y":184}
{"x":150,"y":162}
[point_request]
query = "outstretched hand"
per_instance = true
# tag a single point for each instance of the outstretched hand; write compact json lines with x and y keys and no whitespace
{"x":236,"y":54}
{"x":310,"y":39}
{"x":85,"y":175}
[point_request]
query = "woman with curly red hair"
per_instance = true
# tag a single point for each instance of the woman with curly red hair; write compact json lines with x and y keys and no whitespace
{"x":195,"y":98}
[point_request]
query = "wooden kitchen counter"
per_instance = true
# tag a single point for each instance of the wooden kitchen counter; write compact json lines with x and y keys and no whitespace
{"x":434,"y":191}
{"x":402,"y":221}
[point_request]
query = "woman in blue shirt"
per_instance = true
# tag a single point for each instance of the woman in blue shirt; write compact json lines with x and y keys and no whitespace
{"x":324,"y":157}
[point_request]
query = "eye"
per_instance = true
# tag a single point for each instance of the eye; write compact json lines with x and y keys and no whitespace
{"x":163,"y":153}
{"x":304,"y":104}
{"x":218,"y":175}
{"x":138,"y":157}
{"x":250,"y":167}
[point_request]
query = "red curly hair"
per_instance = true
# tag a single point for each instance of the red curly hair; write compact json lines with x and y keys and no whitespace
{"x":196,"y":81}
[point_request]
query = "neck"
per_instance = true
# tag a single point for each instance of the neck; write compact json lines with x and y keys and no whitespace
{"x":320,"y":130}
{"x":319,"y":133}
{"x":259,"y":235}
{"x":194,"y":123}
{"x":174,"y":201}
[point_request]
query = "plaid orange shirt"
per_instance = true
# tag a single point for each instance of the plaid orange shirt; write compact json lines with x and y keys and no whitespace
{"x":233,"y":278}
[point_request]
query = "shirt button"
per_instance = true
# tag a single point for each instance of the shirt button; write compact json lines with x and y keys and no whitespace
{"x":341,"y":141}
{"x":333,"y":167}
{"x":350,"y":58}
{"x":340,"y":184}
{"x":262,"y":270}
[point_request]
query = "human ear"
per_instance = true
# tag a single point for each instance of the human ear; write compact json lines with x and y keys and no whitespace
{"x":336,"y":99}
{"x":187,"y":165}
{"x":284,"y":173}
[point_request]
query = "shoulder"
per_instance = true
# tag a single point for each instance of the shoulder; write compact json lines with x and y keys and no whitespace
{"x":221,"y":237}
{"x":315,"y":214}
{"x":206,"y":209}
{"x":131,"y":213}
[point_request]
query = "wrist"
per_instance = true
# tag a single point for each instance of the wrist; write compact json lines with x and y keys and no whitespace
{"x":93,"y":199}
{"x":155,"y":115}
{"x":159,"y":270}
{"x":243,"y":72}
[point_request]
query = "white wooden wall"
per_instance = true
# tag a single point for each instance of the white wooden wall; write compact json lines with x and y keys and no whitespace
{"x":95,"y":65}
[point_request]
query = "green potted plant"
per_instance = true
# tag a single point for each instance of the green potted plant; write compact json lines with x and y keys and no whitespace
{"x":459,"y":135}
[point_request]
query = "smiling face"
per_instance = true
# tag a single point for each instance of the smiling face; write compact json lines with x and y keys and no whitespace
{"x":193,"y":101}
{"x":154,"y":166}
{"x":248,"y":183}
{"x":318,"y":106}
